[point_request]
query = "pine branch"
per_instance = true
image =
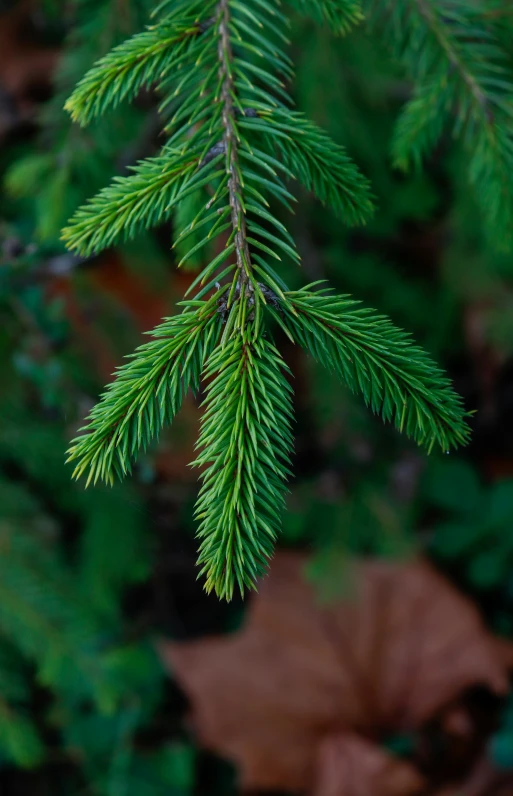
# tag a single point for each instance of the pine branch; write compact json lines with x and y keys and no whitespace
{"x":318,"y":162}
{"x":376,"y":359}
{"x":462,"y":80}
{"x":231,"y":143}
{"x":146,"y":394}
{"x":134,"y":203}
{"x":340,"y":15}
{"x":139,"y":62}
{"x":231,"y":132}
{"x":246,"y":441}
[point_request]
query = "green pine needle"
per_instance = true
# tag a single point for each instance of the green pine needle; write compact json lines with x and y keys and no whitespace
{"x":145,"y":395}
{"x":463,"y":83}
{"x":246,"y":443}
{"x":340,"y":15}
{"x":396,"y":378}
{"x":318,"y":162}
{"x":137,"y":63}
{"x":131,"y":204}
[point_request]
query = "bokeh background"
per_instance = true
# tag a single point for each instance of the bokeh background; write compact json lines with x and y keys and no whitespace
{"x":376,"y":658}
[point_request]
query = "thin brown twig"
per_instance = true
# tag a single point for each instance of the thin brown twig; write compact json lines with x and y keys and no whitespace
{"x":231,"y":144}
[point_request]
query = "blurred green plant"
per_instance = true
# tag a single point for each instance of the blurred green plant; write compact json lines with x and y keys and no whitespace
{"x":476,"y":531}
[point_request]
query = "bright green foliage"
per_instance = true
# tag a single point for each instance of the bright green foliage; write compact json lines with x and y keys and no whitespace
{"x":139,"y":62}
{"x":221,"y":73}
{"x":131,"y":204}
{"x":246,"y":443}
{"x":146,"y":394}
{"x":396,"y":378}
{"x":462,"y":82}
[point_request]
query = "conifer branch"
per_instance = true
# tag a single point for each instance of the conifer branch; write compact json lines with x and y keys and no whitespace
{"x":231,"y":129}
{"x":395,"y":377}
{"x":139,"y":62}
{"x":146,"y":394}
{"x":246,"y":440}
{"x":340,"y":15}
{"x":230,"y":140}
{"x":318,"y":162}
{"x":461,"y":80}
{"x":134,"y":203}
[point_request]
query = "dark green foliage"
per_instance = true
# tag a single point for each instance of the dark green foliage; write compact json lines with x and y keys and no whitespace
{"x":340,"y":15}
{"x":462,"y":81}
{"x":19,"y":739}
{"x":501,"y":744}
{"x":477,"y":529}
{"x":62,"y":629}
{"x":61,"y":172}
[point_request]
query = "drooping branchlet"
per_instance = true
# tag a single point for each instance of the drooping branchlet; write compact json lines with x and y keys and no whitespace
{"x":233,"y":146}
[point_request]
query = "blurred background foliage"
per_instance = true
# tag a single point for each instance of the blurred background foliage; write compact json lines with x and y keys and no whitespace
{"x":89,"y":581}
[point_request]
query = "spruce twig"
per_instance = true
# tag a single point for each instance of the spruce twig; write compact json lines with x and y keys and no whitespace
{"x":231,"y":129}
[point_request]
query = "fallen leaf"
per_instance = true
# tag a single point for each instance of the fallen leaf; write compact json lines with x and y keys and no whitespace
{"x":457,"y":722}
{"x":402,"y":645}
{"x":505,"y":651}
{"x":113,"y":277}
{"x":348,"y":765}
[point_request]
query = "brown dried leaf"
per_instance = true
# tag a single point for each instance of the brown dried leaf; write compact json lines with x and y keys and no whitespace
{"x":505,"y":651}
{"x":348,"y":765}
{"x":388,"y":657}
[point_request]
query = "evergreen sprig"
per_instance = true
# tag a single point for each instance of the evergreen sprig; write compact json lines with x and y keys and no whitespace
{"x":340,"y":15}
{"x":246,"y":443}
{"x":146,"y":394}
{"x":139,"y":201}
{"x":139,"y":62}
{"x":313,"y":158}
{"x":233,"y":136}
{"x":462,"y":82}
{"x":376,"y":359}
